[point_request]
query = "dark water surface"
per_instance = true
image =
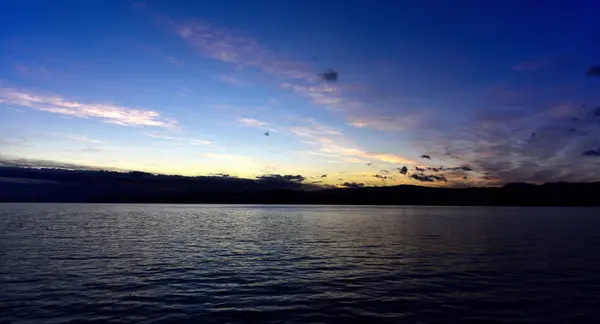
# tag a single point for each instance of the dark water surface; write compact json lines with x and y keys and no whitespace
{"x":73,"y":263}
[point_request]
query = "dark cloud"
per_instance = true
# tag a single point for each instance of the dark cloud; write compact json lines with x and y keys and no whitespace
{"x":369,"y":164}
{"x":594,"y":71}
{"x":597,"y":112}
{"x":403,"y":170}
{"x":461,"y":168}
{"x":489,"y":177}
{"x":439,"y":177}
{"x":384,"y":171}
{"x":419,"y":169}
{"x":281,"y":178}
{"x":424,"y":156}
{"x":440,"y":169}
{"x":428,"y":178}
{"x":353,"y":185}
{"x":324,"y":175}
{"x":592,"y":153}
{"x":329,"y":75}
{"x":465,"y":178}
{"x":33,"y":163}
{"x":501,"y":144}
{"x":379,"y":176}
{"x":267,"y":134}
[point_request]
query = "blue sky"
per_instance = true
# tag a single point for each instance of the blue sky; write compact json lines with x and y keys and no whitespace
{"x":191,"y":87}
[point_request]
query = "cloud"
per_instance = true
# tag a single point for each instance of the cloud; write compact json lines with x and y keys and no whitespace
{"x":16,"y":109}
{"x":407,"y":121}
{"x":360,"y":113}
{"x":425,"y":157}
{"x":500,"y":143}
{"x":32,"y":71}
{"x":232,"y":47}
{"x":428,"y":178}
{"x":109,"y":113}
{"x":354,"y":160}
{"x":253,"y":122}
{"x":461,"y":168}
{"x":37,"y":163}
{"x":238,"y":49}
{"x":282,"y":181}
{"x":329,"y":146}
{"x":174,"y":61}
{"x":218,"y":156}
{"x":592,"y":153}
{"x":315,"y":130}
{"x":329,"y":75}
{"x":353,"y":185}
{"x":529,"y":66}
{"x":229,"y":79}
{"x":183,"y":140}
{"x":139,"y":4}
{"x":402,"y":170}
{"x":318,"y":94}
{"x":77,"y":138}
{"x":489,"y":177}
{"x":330,"y":142}
{"x":564,"y":110}
{"x":594,"y":71}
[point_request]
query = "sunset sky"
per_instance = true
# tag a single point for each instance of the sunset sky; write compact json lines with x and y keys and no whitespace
{"x":490,"y":91}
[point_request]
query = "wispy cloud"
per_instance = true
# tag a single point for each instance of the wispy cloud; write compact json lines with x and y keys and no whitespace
{"x":229,"y":79}
{"x":36,"y":163}
{"x":232,"y":47}
{"x":520,"y":146}
{"x":253,"y":122}
{"x":16,"y":109}
{"x":330,"y":142}
{"x":529,"y":66}
{"x":33,"y":71}
{"x":218,"y":156}
{"x":77,"y":138}
{"x":107,"y":112}
{"x":299,"y":77}
{"x":181,"y":140}
{"x":318,"y":94}
{"x":314,"y":130}
{"x":174,"y":61}
{"x":388,"y":123}
{"x":594,"y":153}
{"x":360,"y":113}
{"x":139,"y":4}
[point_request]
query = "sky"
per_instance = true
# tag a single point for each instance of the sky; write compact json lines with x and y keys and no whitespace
{"x":467,"y":93}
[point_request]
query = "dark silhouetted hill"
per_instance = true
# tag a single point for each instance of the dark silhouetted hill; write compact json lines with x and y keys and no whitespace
{"x":59,"y":185}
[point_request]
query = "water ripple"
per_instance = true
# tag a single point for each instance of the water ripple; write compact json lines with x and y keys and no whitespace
{"x":75,"y":263}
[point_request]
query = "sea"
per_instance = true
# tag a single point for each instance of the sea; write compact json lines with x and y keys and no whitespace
{"x":150,"y":263}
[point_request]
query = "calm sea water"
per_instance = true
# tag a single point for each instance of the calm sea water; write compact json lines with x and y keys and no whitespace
{"x":63,"y":263}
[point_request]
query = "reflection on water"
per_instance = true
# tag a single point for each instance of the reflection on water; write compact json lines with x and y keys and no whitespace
{"x":186,"y":263}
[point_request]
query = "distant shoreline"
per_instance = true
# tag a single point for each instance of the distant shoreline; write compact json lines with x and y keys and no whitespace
{"x":80,"y":186}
